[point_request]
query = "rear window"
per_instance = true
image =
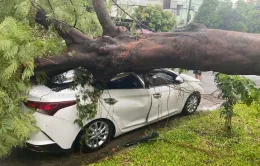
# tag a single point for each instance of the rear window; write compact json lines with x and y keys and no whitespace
{"x":61,"y":81}
{"x":66,"y":77}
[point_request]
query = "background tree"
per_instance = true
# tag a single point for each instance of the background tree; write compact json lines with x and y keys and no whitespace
{"x":228,"y":16}
{"x":155,"y":18}
{"x":208,"y":14}
{"x":232,"y":18}
{"x":250,"y":11}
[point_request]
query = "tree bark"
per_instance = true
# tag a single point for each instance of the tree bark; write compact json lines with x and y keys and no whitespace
{"x":194,"y":47}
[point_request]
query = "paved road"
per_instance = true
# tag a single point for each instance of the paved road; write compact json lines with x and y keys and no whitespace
{"x":207,"y":81}
{"x":208,"y":101}
{"x":23,"y":157}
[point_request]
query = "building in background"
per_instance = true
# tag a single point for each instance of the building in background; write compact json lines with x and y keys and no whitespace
{"x":234,"y":1}
{"x":120,"y":18}
{"x":251,"y":1}
{"x":179,"y":8}
{"x":130,"y":5}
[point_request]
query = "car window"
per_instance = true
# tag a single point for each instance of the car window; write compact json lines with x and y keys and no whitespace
{"x":160,"y":78}
{"x":66,"y":77}
{"x":125,"y":82}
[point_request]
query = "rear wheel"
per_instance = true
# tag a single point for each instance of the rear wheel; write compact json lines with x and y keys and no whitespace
{"x":95,"y":135}
{"x":192,"y":103}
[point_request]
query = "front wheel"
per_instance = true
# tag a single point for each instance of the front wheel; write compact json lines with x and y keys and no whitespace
{"x":95,"y":135}
{"x":192,"y":103}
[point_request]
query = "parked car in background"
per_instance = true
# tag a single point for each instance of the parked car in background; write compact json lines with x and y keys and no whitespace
{"x":129,"y":101}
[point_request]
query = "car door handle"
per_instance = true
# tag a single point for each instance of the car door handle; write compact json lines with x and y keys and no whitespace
{"x":157,"y":95}
{"x":110,"y":101}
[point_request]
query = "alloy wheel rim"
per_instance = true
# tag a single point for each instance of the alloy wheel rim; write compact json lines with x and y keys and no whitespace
{"x":97,"y":134}
{"x":192,"y":104}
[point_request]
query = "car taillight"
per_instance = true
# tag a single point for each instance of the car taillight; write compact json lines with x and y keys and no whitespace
{"x":49,"y":108}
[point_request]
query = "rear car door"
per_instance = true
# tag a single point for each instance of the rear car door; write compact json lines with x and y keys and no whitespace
{"x":127,"y":100}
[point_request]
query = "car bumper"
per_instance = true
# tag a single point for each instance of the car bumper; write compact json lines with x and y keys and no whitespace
{"x":54,"y":130}
{"x":51,"y":148}
{"x":39,"y":139}
{"x":40,"y":142}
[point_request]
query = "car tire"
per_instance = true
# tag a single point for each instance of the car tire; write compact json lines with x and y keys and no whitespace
{"x":100,"y":133}
{"x":191,"y":104}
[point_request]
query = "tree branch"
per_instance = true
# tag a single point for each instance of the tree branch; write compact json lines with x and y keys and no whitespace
{"x":70,"y":34}
{"x":109,"y":28}
{"x":75,"y":13}
{"x":50,"y":5}
{"x":139,"y":23}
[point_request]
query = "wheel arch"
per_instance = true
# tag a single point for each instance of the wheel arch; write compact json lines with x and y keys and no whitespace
{"x":197,"y":93}
{"x":77,"y":139}
{"x":193,"y":93}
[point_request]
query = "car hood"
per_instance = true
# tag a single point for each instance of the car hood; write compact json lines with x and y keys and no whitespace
{"x":189,"y":78}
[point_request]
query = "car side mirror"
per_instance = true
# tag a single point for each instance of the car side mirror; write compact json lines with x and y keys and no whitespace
{"x":179,"y":79}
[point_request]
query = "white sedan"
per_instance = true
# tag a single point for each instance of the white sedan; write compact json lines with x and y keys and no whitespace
{"x":129,"y":102}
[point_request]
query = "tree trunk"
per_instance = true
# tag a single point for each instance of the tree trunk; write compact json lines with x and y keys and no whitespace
{"x":194,"y":47}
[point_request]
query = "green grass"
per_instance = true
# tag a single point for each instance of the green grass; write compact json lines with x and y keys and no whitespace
{"x":199,"y":139}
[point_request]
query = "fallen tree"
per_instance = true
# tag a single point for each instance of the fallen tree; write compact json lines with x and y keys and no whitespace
{"x":192,"y":47}
{"x":117,"y":50}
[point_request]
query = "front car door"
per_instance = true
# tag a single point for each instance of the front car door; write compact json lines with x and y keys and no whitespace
{"x":164,"y":84}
